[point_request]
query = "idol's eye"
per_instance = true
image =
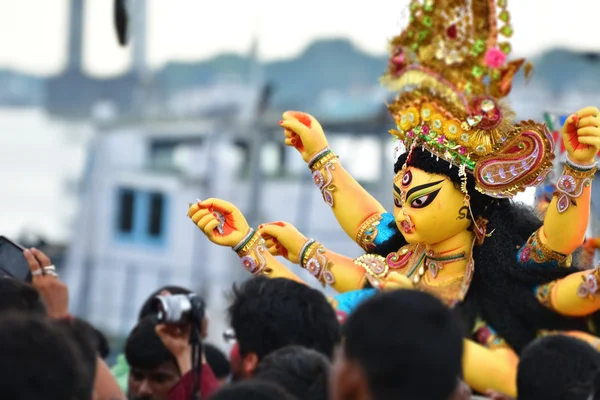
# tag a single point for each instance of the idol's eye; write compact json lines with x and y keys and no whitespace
{"x":407,"y":178}
{"x":397,"y":202}
{"x":425,"y":200}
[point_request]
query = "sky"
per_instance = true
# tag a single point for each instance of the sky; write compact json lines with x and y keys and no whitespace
{"x":33,"y":32}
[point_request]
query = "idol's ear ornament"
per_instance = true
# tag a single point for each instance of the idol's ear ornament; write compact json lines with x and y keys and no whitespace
{"x":523,"y":161}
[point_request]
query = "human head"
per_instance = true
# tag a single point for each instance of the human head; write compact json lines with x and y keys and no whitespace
{"x":39,"y":361}
{"x":87,"y":341}
{"x":398,"y":345}
{"x":218,"y":362}
{"x":20,"y":297}
{"x":268,"y":314}
{"x":300,"y":371}
{"x":557,"y":367}
{"x":153,"y":369}
{"x":252,"y":390}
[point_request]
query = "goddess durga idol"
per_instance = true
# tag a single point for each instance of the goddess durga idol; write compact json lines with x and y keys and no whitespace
{"x":454,"y":231}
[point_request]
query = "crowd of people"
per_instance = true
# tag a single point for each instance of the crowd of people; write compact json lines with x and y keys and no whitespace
{"x":289,"y":344}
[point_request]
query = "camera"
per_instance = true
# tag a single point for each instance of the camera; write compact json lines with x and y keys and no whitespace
{"x":179,"y":309}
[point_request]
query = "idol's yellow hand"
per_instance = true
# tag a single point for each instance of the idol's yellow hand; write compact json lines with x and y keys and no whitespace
{"x":581,"y":135}
{"x":395,"y":281}
{"x":283,"y":239}
{"x":221,"y":222}
{"x":304,"y":133}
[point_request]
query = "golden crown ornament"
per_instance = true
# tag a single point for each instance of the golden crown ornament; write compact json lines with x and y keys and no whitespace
{"x":451,"y":71}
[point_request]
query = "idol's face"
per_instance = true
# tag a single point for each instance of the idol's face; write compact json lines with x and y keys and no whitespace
{"x":434,"y":206}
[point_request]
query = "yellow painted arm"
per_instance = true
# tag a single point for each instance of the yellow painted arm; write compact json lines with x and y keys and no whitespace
{"x":257,"y":260}
{"x":576,"y":295}
{"x":350,"y":202}
{"x":340,"y":272}
{"x":564,"y":231}
{"x":569,"y":212}
{"x":490,"y":369}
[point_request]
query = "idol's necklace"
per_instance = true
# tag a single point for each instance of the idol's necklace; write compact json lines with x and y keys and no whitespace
{"x":435,"y":263}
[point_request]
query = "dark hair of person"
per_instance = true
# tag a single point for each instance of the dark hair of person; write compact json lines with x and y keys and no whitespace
{"x":558,"y":368}
{"x":408,"y":343}
{"x":19,"y":296}
{"x":87,"y":342}
{"x":217,"y":360}
{"x":147,"y":306}
{"x":268,"y":314}
{"x":103,"y":346}
{"x":144,"y":349}
{"x":502,"y":289}
{"x":252,"y":390}
{"x":39,"y":361}
{"x":300,"y":371}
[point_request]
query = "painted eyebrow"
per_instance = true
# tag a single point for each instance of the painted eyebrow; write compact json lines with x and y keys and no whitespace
{"x":425,"y":186}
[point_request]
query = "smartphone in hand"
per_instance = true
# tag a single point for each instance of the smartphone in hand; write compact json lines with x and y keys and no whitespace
{"x":12,"y":260}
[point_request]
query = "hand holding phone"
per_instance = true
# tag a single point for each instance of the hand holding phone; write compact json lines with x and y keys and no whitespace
{"x":45,"y":279}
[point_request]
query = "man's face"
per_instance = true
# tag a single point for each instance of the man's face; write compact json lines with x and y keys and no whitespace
{"x":152,"y":384}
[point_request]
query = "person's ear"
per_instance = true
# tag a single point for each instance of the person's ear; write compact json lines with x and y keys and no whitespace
{"x":249,"y":364}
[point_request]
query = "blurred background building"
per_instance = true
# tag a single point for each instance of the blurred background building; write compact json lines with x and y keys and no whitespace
{"x":100,"y":170}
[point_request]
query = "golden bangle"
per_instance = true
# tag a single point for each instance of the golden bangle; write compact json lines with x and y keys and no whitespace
{"x":368,"y":232}
{"x":540,"y":253}
{"x":252,"y":256}
{"x":571,"y":184}
{"x":328,"y":158}
{"x":317,"y":264}
{"x":544,"y":294}
{"x":488,"y":337}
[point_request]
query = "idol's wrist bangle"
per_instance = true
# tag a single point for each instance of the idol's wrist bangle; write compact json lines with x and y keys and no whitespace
{"x":583,"y":167}
{"x":327,"y":157}
{"x":302,"y":259}
{"x":574,"y":179}
{"x":252,"y":252}
{"x":318,"y":156}
{"x":244,"y":241}
{"x":314,"y":260}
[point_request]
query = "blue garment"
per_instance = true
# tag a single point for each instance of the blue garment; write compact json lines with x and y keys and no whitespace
{"x":347,"y":302}
{"x":384,"y":231}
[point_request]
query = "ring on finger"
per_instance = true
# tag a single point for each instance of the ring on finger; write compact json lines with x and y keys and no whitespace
{"x":52,"y":273}
{"x":49,"y":268}
{"x":37,"y":272}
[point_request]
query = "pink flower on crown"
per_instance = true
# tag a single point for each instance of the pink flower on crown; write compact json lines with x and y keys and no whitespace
{"x":494,"y":57}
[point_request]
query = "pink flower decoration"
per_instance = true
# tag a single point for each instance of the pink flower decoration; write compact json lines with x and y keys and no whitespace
{"x":398,"y":60}
{"x":494,"y":57}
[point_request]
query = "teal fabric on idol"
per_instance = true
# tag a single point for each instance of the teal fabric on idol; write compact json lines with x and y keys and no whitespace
{"x":347,"y":302}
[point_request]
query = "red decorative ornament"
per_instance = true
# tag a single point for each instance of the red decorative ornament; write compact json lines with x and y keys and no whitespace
{"x":525,"y":254}
{"x":483,"y":335}
{"x":452,"y":31}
